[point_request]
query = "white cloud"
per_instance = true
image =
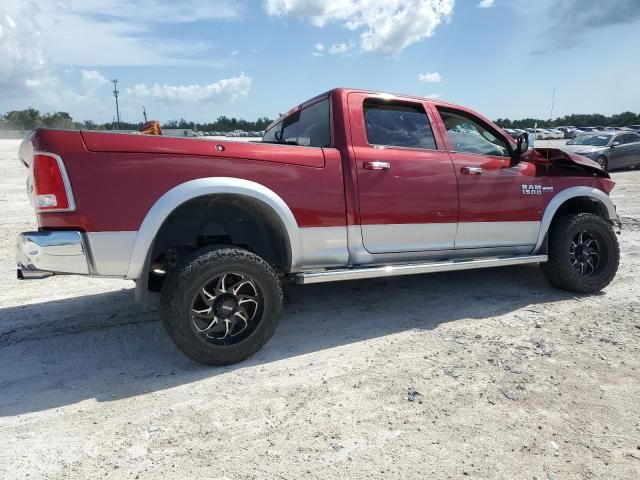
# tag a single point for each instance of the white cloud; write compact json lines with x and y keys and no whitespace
{"x":486,"y":3}
{"x":387,"y":26}
{"x":119,"y":32}
{"x":432,"y":96}
{"x":336,"y":49}
{"x":318,"y":50}
{"x":22,"y":57}
{"x":156,"y":11}
{"x":92,"y":79}
{"x":223,"y":91}
{"x":339,"y":48}
{"x":430,"y":77}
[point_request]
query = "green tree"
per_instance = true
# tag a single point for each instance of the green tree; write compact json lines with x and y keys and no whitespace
{"x":58,"y":120}
{"x":23,"y":119}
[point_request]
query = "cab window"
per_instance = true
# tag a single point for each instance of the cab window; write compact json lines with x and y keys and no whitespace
{"x":398,"y":125}
{"x":309,"y":127}
{"x":470,"y":135}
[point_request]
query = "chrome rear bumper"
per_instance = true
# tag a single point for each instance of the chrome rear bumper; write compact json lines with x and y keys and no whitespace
{"x":42,"y":254}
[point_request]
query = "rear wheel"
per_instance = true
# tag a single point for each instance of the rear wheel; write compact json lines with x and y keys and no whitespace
{"x":221,"y":305}
{"x":583,"y":253}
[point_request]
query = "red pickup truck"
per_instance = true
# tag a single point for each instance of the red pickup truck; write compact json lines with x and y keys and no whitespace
{"x":351,"y":184}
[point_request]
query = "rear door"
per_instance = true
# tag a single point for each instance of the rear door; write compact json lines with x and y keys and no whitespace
{"x":501,"y":202}
{"x":408,"y":194}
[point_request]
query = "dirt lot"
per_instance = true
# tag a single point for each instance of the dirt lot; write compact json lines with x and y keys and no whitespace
{"x":515,"y":379}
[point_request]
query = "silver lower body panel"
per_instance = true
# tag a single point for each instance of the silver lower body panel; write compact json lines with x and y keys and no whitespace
{"x":413,"y":268}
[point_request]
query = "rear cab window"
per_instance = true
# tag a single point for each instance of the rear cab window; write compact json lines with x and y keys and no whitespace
{"x":398,"y":125}
{"x":308,"y":127}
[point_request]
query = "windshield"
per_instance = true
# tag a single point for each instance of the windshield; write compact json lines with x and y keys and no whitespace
{"x":595,"y":140}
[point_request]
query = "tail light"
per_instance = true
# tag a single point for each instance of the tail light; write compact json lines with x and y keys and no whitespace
{"x":52,"y":191}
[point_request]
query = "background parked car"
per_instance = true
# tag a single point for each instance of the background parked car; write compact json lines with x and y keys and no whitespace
{"x":543,"y":134}
{"x":609,"y":149}
{"x":512,"y":133}
{"x":572,"y":132}
{"x":556,"y":132}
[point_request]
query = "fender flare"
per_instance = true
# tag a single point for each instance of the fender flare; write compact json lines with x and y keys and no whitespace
{"x":561,"y":197}
{"x":184,"y":192}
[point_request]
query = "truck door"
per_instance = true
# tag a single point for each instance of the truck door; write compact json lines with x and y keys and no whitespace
{"x":408,"y":194}
{"x":501,"y":202}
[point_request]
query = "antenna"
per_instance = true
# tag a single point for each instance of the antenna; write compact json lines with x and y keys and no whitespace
{"x":115,"y":94}
{"x":553,"y":101}
{"x":144,"y":113}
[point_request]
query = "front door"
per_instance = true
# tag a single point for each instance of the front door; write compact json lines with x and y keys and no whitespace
{"x":408,"y":194}
{"x":501,"y":202}
{"x":629,"y":150}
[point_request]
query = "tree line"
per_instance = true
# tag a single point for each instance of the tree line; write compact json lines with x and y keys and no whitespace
{"x":31,"y":118}
{"x":575,"y":120}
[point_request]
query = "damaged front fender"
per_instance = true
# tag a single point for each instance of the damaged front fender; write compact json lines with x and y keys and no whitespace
{"x":560,"y":158}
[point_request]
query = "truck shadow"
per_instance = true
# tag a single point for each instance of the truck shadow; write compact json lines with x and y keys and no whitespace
{"x":101,"y":347}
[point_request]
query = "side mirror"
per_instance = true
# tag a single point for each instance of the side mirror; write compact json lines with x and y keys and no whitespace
{"x":524,"y":146}
{"x":616,"y":143}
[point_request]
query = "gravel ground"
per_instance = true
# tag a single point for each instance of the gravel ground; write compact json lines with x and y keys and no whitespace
{"x":484,"y":374}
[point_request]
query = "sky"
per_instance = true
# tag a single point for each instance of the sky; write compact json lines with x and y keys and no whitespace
{"x":200,"y":59}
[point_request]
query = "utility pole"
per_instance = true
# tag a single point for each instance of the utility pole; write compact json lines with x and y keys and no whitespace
{"x":553,"y":101}
{"x":144,"y":113}
{"x":115,"y":94}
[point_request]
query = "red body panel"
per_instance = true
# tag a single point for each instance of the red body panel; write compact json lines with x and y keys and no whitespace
{"x":322,"y":187}
{"x":130,"y":183}
{"x":268,"y":152}
{"x":420,"y":187}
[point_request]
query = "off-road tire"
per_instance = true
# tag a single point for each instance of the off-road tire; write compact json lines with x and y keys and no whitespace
{"x":184,"y":281}
{"x":559,"y":270}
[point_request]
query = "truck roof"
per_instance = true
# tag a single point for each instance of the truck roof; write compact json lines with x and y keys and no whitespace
{"x":347,"y":90}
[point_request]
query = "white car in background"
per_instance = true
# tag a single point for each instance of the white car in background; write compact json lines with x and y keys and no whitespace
{"x":557,"y":134}
{"x":543,"y":134}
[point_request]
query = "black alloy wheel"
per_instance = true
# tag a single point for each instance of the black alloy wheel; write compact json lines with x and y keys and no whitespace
{"x":221,"y":304}
{"x":583,"y":253}
{"x":226,"y":308}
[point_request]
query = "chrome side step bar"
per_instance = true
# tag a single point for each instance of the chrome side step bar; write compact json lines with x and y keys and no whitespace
{"x":358,"y":273}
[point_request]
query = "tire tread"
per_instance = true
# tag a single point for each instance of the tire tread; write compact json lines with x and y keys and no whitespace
{"x":177,"y":284}
{"x":559,"y":271}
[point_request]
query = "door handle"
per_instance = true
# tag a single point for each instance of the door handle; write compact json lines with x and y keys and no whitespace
{"x":377,"y":165}
{"x":472,"y":170}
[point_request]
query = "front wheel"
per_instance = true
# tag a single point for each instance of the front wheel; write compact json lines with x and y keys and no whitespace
{"x":583,"y":253}
{"x":221,"y":305}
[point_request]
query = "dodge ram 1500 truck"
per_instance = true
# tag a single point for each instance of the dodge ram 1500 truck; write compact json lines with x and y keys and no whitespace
{"x":351,"y":184}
